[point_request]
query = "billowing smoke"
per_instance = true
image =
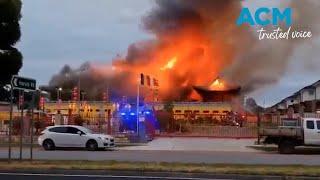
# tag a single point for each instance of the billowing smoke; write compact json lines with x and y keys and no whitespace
{"x":94,"y":80}
{"x":194,"y":42}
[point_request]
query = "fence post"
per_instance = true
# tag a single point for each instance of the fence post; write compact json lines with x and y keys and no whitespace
{"x":259,"y":124}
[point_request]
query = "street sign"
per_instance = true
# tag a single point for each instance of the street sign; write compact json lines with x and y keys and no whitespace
{"x":23,"y":83}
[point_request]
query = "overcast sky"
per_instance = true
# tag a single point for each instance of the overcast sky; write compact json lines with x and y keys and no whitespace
{"x":59,"y":32}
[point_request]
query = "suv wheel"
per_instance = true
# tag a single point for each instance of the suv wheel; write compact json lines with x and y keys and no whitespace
{"x":48,"y":145}
{"x":92,"y":145}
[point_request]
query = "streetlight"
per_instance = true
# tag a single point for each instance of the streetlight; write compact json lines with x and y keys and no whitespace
{"x":83,"y":95}
{"x":59,"y":90}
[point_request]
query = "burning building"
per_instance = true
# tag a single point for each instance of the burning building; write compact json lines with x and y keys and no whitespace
{"x":187,"y":50}
{"x":218,"y":91}
{"x":208,"y":95}
{"x":192,"y":42}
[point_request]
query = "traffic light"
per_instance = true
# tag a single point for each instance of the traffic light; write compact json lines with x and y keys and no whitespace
{"x":148,"y":81}
{"x":141,"y":79}
{"x":155,"y":82}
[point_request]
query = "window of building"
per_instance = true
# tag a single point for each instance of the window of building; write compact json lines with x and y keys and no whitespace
{"x":310,"y":125}
{"x":206,"y":111}
{"x":225,"y":111}
{"x":97,"y":110}
{"x":311,"y":92}
{"x":215,"y":111}
{"x":196,"y":111}
{"x":178,"y":111}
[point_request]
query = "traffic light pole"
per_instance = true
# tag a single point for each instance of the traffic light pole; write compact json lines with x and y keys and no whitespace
{"x":138,"y":98}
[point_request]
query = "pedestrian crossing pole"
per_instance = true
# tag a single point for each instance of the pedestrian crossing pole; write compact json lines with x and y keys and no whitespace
{"x":10,"y":124}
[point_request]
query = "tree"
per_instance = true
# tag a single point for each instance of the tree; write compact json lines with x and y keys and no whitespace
{"x":78,"y":121}
{"x":10,"y":57}
{"x":168,"y":107}
{"x":165,"y":118}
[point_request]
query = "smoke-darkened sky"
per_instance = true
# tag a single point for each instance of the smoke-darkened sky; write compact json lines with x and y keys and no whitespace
{"x":56,"y":32}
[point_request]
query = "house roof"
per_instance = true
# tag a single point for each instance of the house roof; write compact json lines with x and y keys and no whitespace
{"x":316,"y":84}
{"x":307,"y":88}
{"x":312,"y":86}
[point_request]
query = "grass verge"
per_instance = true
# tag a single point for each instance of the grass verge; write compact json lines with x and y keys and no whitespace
{"x":281,"y":170}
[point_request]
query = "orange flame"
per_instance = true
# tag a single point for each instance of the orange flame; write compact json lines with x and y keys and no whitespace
{"x":170,"y":64}
{"x":217,"y":85}
{"x":179,"y":63}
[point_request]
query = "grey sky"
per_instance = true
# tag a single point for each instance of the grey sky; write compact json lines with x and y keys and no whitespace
{"x":58,"y":32}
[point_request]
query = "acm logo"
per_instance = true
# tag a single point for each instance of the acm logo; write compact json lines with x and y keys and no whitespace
{"x":272,"y":16}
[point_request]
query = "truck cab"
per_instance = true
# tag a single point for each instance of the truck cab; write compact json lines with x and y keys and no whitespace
{"x":311,"y":131}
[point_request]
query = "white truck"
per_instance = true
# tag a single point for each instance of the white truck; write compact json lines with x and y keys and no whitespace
{"x":303,"y":132}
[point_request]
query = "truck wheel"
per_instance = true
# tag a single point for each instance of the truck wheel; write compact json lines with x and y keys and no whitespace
{"x":286,"y":147}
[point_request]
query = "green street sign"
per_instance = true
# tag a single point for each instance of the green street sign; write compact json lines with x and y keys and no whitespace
{"x":23,"y":83}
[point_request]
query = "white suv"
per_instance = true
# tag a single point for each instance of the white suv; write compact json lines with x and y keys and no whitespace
{"x":73,"y":136}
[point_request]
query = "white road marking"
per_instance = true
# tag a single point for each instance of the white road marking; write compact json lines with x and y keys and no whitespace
{"x":103,"y":176}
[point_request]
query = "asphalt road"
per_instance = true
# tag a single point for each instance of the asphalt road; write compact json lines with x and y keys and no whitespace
{"x":115,"y":175}
{"x":227,"y":157}
{"x":24,"y":176}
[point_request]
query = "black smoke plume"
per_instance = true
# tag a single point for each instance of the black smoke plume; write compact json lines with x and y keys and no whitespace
{"x":244,"y":60}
